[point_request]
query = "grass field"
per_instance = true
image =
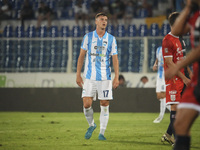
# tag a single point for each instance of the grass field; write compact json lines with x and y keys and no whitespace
{"x":65,"y":131}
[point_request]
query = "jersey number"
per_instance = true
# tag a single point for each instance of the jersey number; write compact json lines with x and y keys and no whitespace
{"x":105,"y":93}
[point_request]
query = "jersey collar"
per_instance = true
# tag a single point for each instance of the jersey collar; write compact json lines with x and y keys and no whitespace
{"x":96,"y":35}
{"x":173,"y":35}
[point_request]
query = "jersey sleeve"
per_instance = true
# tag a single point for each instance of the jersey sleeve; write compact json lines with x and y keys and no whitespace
{"x":84,"y":44}
{"x":167,"y":48}
{"x":114,"y":47}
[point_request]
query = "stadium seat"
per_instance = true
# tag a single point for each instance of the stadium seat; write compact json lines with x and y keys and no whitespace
{"x":64,"y":32}
{"x":120,"y":31}
{"x":132,"y":31}
{"x":52,"y":4}
{"x":42,"y":31}
{"x":154,"y":29}
{"x":86,"y":29}
{"x":8,"y":31}
{"x":143,"y":13}
{"x":31,"y":31}
{"x":165,"y":29}
{"x":16,"y":4}
{"x":111,"y":29}
{"x":53,"y":31}
{"x":64,"y":14}
{"x":19,"y":31}
{"x":143,"y":30}
{"x":76,"y":31}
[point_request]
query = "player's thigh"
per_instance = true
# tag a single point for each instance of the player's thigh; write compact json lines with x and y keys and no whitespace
{"x":104,"y":89}
{"x":89,"y":89}
{"x":184,"y":120}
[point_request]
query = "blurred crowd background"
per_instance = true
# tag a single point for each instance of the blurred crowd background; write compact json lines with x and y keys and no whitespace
{"x":41,"y":36}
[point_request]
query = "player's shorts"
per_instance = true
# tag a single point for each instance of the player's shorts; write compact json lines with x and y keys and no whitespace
{"x":173,"y":91}
{"x":160,"y":85}
{"x":189,"y":100}
{"x":103,"y":88}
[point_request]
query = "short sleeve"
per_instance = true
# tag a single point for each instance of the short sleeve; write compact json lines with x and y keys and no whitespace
{"x":167,"y":48}
{"x":114,"y":47}
{"x":84,"y":44}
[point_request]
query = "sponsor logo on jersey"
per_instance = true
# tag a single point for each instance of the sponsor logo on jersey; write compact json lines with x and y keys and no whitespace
{"x":100,"y":55}
{"x":172,"y":92}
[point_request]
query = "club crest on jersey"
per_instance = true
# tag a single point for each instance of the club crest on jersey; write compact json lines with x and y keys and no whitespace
{"x":173,"y":97}
{"x":166,"y":50}
{"x":105,"y":43}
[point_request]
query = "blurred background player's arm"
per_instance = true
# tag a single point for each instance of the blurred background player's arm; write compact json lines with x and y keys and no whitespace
{"x":181,"y":26}
{"x":193,"y":56}
{"x":170,"y":64}
{"x":155,"y":66}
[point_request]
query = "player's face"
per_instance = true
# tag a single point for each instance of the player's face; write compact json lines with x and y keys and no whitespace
{"x":102,"y":22}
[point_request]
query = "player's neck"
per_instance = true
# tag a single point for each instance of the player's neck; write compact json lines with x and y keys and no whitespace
{"x":100,"y":32}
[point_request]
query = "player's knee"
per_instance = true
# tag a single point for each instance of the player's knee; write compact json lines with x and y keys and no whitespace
{"x":86,"y":105}
{"x":104,"y":103}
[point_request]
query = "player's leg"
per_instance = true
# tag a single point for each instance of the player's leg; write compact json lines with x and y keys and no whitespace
{"x":184,"y":120}
{"x":88,"y":110}
{"x":104,"y":94}
{"x":161,"y":97}
{"x":104,"y":117}
{"x":88,"y":93}
{"x":170,"y":130}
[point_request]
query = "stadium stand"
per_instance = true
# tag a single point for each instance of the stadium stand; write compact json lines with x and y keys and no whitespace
{"x":27,"y":49}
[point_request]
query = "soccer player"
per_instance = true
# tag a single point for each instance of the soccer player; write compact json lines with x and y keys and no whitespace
{"x":172,"y":53}
{"x":98,"y":46}
{"x":160,"y":84}
{"x":189,"y":107}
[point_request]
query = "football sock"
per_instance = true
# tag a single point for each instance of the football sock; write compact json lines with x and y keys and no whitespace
{"x":104,"y":117}
{"x":172,"y":119}
{"x":182,"y":143}
{"x":170,"y":129}
{"x":162,"y":107}
{"x":89,"y":115}
{"x":168,"y":107}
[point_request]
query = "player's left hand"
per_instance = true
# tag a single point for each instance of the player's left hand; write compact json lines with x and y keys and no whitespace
{"x":170,"y":72}
{"x":115,"y":82}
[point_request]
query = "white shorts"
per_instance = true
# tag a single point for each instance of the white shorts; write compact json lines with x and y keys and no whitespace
{"x":103,"y":88}
{"x":160,"y":85}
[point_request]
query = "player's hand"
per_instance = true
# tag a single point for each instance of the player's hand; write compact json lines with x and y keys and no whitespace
{"x":155,"y":67}
{"x":186,"y":81}
{"x":191,"y":75}
{"x":79,"y":81}
{"x":170,"y":72}
{"x":115,"y":82}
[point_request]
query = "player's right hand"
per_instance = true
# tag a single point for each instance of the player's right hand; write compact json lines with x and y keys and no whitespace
{"x":79,"y":81}
{"x":155,"y":67}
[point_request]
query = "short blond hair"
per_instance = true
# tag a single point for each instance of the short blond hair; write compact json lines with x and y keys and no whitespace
{"x":101,"y":14}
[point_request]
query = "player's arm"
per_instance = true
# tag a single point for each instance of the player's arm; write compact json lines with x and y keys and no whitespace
{"x":155,"y":66}
{"x":116,"y":69}
{"x":181,"y":26}
{"x":170,"y":64}
{"x":189,"y":72}
{"x":81,"y":57}
{"x":192,"y":56}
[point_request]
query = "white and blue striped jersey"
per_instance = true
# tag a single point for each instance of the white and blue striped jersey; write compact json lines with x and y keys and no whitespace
{"x":99,"y":51}
{"x":159,"y":56}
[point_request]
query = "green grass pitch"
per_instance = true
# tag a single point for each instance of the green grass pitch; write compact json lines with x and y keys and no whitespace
{"x":65,"y":131}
